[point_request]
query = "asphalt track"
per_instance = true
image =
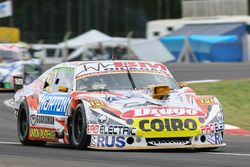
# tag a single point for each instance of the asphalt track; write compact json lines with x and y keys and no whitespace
{"x":236,"y":153}
{"x":217,"y":71}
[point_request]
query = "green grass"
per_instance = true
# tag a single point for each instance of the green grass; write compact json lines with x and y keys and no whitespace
{"x":234,"y":96}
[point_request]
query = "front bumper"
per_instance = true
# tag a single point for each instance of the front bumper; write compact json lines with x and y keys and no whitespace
{"x":106,"y":142}
{"x":197,"y":146}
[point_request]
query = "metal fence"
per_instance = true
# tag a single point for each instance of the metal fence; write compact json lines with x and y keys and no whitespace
{"x":198,"y":8}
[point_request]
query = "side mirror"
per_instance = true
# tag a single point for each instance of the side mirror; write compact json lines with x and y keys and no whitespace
{"x":18,"y":83}
{"x":183,"y":84}
{"x":63,"y":89}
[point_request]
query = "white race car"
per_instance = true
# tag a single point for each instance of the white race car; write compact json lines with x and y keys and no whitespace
{"x":116,"y":105}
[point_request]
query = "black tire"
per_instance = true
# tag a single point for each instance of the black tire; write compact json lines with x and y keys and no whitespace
{"x":23,"y":127}
{"x":80,"y":139}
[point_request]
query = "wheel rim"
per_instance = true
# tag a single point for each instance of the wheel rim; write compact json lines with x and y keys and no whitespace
{"x":23,"y":123}
{"x":78,"y":125}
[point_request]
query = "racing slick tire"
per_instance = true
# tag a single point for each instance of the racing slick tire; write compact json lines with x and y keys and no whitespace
{"x":23,"y":127}
{"x":80,"y":139}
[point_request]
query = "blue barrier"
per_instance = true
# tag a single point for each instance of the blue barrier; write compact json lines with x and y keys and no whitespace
{"x":214,"y":48}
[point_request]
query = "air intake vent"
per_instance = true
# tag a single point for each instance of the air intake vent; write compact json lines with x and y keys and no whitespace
{"x":168,"y":141}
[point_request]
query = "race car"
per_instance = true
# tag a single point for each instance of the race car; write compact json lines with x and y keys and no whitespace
{"x":116,"y":105}
{"x":15,"y":60}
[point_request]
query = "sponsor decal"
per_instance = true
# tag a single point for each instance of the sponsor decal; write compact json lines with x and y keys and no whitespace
{"x":120,"y":66}
{"x":54,"y":104}
{"x":41,"y":119}
{"x":141,"y":65}
{"x":117,"y":130}
{"x":212,"y":128}
{"x":215,"y":138}
{"x":93,"y":140}
{"x":168,"y":143}
{"x":207,"y":100}
{"x":161,"y":111}
{"x":111,"y":141}
{"x":42,"y":134}
{"x":102,"y":119}
{"x":96,"y":104}
{"x":111,"y":130}
{"x":168,"y":127}
{"x":168,"y":124}
{"x":95,"y":67}
{"x":112,"y":99}
{"x":220,"y":116}
{"x":93,"y":129}
{"x":208,"y":129}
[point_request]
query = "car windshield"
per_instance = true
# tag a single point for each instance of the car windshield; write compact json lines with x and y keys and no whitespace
{"x":120,"y":81}
{"x":8,"y":55}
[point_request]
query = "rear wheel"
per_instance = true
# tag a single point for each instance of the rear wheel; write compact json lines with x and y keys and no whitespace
{"x":23,"y":127}
{"x":80,"y":139}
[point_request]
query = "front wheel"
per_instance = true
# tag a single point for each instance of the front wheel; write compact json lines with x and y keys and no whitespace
{"x":80,"y":139}
{"x":23,"y":127}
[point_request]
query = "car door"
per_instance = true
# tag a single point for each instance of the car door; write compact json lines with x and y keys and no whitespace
{"x":55,"y":97}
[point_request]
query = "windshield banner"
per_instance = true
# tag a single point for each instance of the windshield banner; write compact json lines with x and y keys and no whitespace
{"x":96,"y":68}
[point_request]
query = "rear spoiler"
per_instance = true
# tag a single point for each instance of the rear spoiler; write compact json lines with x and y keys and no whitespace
{"x":18,"y":83}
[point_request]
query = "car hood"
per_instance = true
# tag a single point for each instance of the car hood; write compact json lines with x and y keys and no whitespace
{"x":140,"y":104}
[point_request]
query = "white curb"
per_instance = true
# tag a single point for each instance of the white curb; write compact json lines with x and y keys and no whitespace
{"x":203,"y":81}
{"x":227,"y":126}
{"x":9,"y":103}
